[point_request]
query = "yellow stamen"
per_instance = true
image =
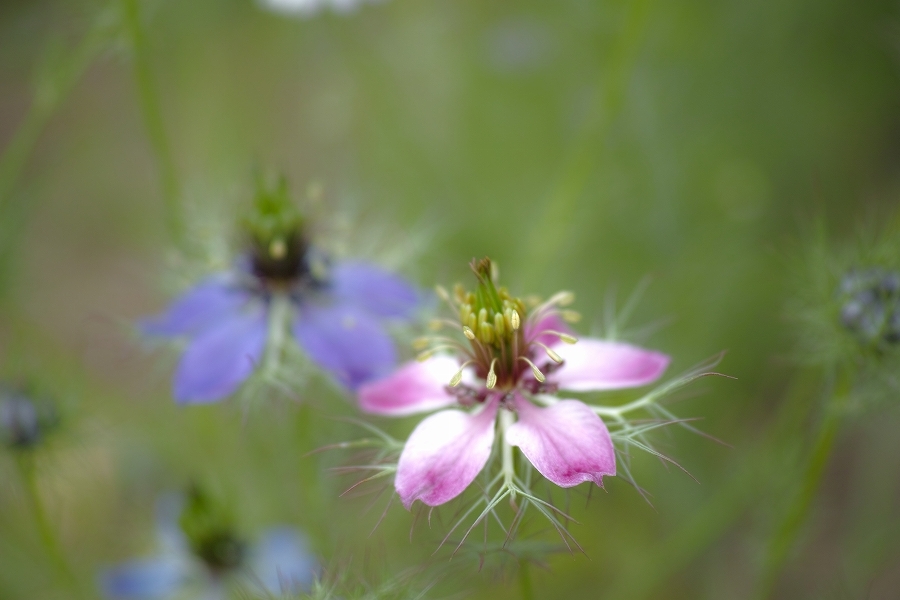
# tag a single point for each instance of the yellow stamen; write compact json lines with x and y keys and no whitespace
{"x":561,"y":299}
{"x":570,"y":316}
{"x":278,"y":249}
{"x":535,"y":371}
{"x":553,"y":355}
{"x":421,"y":343}
{"x":454,"y":381}
{"x":467,"y":331}
{"x":491,"y":380}
{"x":515,"y":321}
{"x":499,"y":325}
{"x":486,"y":333}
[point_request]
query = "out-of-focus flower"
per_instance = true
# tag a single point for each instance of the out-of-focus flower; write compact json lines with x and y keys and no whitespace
{"x":236,"y":321}
{"x":307,"y":8}
{"x":516,"y":362}
{"x":23,"y":421}
{"x":871,"y":305}
{"x":201,"y":555}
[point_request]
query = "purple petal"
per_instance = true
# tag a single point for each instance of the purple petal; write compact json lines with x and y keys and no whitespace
{"x":218,"y":361}
{"x":550,"y":321}
{"x":414,"y":387}
{"x":200,"y":307}
{"x":567,"y":442}
{"x":592,"y":365}
{"x":283,"y":563}
{"x":346,"y":341}
{"x":371,"y":288}
{"x":144,"y":579}
{"x":444,"y":454}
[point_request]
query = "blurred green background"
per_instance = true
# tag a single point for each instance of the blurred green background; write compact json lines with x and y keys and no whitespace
{"x":582,"y":144}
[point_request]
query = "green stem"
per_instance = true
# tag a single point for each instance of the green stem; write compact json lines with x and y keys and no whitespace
{"x":525,"y":580}
{"x":152,"y":114}
{"x":45,"y":529}
{"x":311,"y":480}
{"x":792,"y":521}
{"x":508,"y":468}
{"x":279,"y":316}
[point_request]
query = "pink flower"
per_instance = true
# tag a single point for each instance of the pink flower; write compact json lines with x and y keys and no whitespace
{"x":506,"y":383}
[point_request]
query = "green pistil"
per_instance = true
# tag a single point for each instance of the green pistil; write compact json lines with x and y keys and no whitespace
{"x":274,"y":226}
{"x":492,"y":322}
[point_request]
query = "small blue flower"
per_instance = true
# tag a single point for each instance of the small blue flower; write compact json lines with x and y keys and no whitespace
{"x":336,"y":312}
{"x":23,"y":421}
{"x":279,"y":563}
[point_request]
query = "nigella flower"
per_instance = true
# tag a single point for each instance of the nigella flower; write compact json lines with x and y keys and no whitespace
{"x":512,"y":374}
{"x":201,"y":556}
{"x":235,"y":321}
{"x":871,"y":305}
{"x":24,"y":421}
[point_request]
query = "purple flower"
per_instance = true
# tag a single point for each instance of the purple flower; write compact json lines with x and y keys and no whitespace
{"x":511,"y":371}
{"x":337,"y":316}
{"x":280,"y":562}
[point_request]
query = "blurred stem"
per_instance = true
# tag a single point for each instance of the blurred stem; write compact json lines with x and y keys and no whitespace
{"x":156,"y":131}
{"x":51,"y":89}
{"x":310,"y":479}
{"x":25,"y":464}
{"x":554,"y":224}
{"x":787,"y":531}
{"x":279,"y":316}
{"x":525,"y":580}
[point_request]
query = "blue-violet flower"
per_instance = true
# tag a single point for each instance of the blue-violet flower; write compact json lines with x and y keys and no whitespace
{"x":201,"y":562}
{"x":336,"y":312}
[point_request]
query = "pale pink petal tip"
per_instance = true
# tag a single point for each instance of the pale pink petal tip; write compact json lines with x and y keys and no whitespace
{"x":593,"y":365}
{"x":414,"y":387}
{"x":443,"y":455}
{"x":567,"y":443}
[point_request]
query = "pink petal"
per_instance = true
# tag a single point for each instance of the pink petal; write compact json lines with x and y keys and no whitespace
{"x":550,"y":321}
{"x":592,"y":365}
{"x":567,"y":442}
{"x":414,"y":387}
{"x":444,"y":454}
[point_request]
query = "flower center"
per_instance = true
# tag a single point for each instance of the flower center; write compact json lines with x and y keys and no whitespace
{"x":500,"y":349}
{"x":491,"y":320}
{"x":279,"y":250}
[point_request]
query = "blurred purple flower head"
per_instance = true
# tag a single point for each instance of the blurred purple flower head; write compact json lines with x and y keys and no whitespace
{"x":514,"y":364}
{"x":336,"y":311}
{"x":871,"y":305}
{"x":24,"y":421}
{"x":200,"y":566}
